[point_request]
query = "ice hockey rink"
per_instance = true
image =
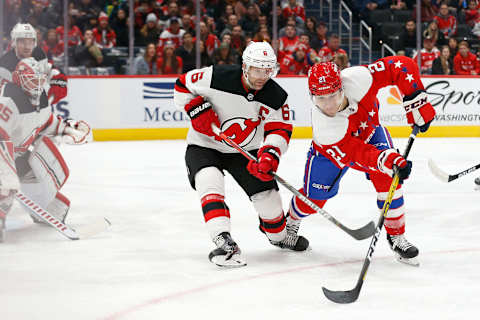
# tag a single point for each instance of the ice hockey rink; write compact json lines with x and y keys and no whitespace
{"x":152,"y":263}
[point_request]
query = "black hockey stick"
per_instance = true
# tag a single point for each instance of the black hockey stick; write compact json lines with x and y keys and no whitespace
{"x":364,"y":232}
{"x":445,"y":177}
{"x":352,"y":295}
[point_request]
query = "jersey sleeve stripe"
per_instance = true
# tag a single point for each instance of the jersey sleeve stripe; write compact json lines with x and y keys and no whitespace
{"x":4,"y":135}
{"x":180,"y":87}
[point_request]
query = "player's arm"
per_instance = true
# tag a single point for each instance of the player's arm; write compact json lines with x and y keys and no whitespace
{"x":277,"y":133}
{"x":403,"y":72}
{"x":185,"y":97}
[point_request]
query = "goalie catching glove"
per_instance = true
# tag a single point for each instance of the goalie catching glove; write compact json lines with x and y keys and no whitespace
{"x":202,"y":115}
{"x":389,"y":159}
{"x":74,"y":132}
{"x":268,"y":159}
{"x":419,"y":111}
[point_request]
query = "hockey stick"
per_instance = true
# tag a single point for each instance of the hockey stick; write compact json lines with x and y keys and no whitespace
{"x":364,"y":232}
{"x":72,"y":234}
{"x":445,"y":177}
{"x":352,"y":295}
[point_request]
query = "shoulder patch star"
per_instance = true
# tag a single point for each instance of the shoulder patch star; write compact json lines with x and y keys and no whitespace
{"x":398,"y":64}
{"x":363,"y":125}
{"x":372,"y":113}
{"x":409,"y":77}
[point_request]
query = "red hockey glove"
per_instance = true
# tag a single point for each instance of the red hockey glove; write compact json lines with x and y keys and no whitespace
{"x":419,"y":111}
{"x":389,"y":159}
{"x":58,"y":88}
{"x":268,"y":158}
{"x":202,"y":115}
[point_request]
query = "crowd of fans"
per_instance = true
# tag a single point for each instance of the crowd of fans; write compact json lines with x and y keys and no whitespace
{"x":164,"y":32}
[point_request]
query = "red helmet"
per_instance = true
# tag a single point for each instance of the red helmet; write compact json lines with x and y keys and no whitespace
{"x":324,"y":79}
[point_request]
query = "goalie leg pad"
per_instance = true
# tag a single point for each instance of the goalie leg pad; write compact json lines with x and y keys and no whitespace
{"x":209,"y":183}
{"x":268,"y":205}
{"x":8,"y":172}
{"x":50,"y":171}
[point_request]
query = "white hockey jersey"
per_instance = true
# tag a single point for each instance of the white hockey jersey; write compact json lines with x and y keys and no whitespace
{"x":251,"y":118}
{"x":20,"y":121}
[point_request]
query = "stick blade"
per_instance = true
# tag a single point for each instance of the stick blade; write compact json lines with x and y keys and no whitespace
{"x":364,"y":232}
{"x":96,"y":226}
{"x":437,"y":172}
{"x":342,"y":297}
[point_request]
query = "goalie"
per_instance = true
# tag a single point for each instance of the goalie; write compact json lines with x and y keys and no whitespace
{"x":29,"y":159}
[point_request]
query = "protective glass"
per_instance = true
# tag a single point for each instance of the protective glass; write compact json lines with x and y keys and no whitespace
{"x":329,"y":104}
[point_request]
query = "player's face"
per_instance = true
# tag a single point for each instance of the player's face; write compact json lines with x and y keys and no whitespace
{"x":259,"y":76}
{"x":330,"y":104}
{"x":24,"y":47}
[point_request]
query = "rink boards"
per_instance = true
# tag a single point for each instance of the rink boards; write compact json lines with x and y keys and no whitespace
{"x":141,"y":107}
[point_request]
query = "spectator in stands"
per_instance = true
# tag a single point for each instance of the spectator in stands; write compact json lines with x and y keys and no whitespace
{"x":51,"y":46}
{"x":262,"y":35}
{"x":295,"y":63}
{"x":408,"y":38}
{"x":364,"y":7}
{"x":444,"y":63}
{"x":205,"y":59}
{"x":241,"y":8}
{"x":434,"y":33}
{"x":187,"y":23}
{"x":428,"y":53}
{"x":120,"y":27}
{"x":447,"y":23}
{"x":146,"y":63}
{"x":210,"y":40}
{"x":74,"y":33}
{"x":86,"y":10}
{"x":88,"y":53}
{"x":222,"y":21}
{"x":472,"y":13}
{"x":149,"y":32}
{"x":319,"y":40}
{"x":341,"y":60}
{"x":169,"y":62}
{"x":296,"y":10}
{"x":328,"y":52}
{"x":453,"y":45}
{"x":211,"y":25}
{"x":172,"y":33}
{"x":397,"y":5}
{"x":290,"y":22}
{"x":249,"y":21}
{"x":91,"y":22}
{"x":238,"y":40}
{"x":172,"y":11}
{"x":465,"y":62}
{"x":104,"y":35}
{"x":289,"y":43}
{"x":40,"y":16}
{"x":311,"y":26}
{"x":224,"y":55}
{"x":232,"y":22}
{"x":141,"y":11}
{"x":187,"y":52}
{"x":427,"y":11}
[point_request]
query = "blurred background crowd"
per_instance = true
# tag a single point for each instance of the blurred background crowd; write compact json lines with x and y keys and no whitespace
{"x":165,"y":38}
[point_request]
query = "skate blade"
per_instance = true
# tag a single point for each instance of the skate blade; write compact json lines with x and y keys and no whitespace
{"x":408,"y":261}
{"x":235,"y":261}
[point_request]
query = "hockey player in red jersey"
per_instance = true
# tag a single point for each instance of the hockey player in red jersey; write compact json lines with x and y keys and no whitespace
{"x":252,"y":109}
{"x":29,"y":159}
{"x":347,"y":134}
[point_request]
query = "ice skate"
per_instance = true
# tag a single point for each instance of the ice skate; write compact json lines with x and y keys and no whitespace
{"x":405,"y":252}
{"x":292,"y":241}
{"x":227,"y":254}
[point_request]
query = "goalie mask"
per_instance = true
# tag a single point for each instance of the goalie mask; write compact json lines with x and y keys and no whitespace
{"x":24,"y":39}
{"x":259,"y":64}
{"x":30,"y":76}
{"x":325,"y":86}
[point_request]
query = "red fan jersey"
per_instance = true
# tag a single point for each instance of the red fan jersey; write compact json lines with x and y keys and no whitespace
{"x":326,"y":54}
{"x":105,"y":38}
{"x":447,"y":25}
{"x":426,"y":59}
{"x":297,"y":11}
{"x":465,"y":65}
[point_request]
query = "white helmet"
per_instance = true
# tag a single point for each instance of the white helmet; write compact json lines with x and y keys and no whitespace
{"x":31,"y":77}
{"x":260,"y":55}
{"x":23,"y":31}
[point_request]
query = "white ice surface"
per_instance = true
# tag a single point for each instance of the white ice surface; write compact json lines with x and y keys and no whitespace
{"x":152,"y":263}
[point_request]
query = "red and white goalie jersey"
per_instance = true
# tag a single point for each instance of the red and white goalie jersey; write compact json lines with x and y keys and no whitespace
{"x":251,"y":118}
{"x":344,"y":138}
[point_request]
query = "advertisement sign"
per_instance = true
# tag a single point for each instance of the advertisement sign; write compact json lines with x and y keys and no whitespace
{"x":147,"y":103}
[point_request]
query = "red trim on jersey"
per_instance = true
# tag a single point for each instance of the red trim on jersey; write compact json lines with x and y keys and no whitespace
{"x":4,"y":134}
{"x":280,"y":128}
{"x":62,"y":198}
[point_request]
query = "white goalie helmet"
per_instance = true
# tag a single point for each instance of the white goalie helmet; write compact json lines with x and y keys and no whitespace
{"x":23,"y":31}
{"x":260,"y":55}
{"x":31,"y":77}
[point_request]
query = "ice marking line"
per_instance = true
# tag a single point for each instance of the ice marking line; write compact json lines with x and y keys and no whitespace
{"x":172,"y":296}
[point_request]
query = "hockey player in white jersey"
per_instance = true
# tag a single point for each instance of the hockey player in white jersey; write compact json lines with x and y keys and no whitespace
{"x":252,"y":109}
{"x":29,"y":159}
{"x":24,"y":45}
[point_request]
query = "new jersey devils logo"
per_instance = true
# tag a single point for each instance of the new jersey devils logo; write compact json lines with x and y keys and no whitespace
{"x":241,"y":130}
